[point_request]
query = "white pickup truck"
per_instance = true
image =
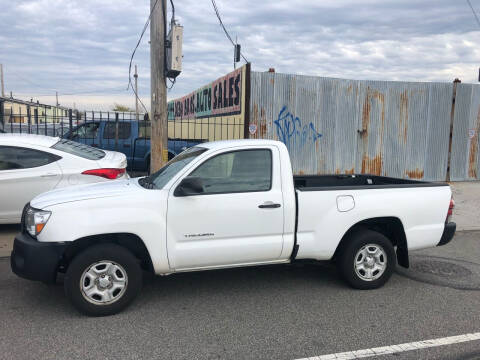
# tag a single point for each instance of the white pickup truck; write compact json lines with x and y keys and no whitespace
{"x":224,"y":204}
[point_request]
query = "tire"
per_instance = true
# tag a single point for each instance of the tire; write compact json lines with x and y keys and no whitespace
{"x":367,"y":260}
{"x":103,"y":280}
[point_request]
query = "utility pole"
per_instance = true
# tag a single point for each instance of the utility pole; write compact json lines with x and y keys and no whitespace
{"x":1,"y":77}
{"x":235,"y":53}
{"x":56,"y":96}
{"x":158,"y":143}
{"x":136,"y":92}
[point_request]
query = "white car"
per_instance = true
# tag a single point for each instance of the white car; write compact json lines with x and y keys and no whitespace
{"x":32,"y":164}
{"x":219,"y":205}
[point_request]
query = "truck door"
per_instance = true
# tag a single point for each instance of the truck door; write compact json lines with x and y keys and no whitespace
{"x":117,"y":136}
{"x":141,"y":146}
{"x":237,"y":219}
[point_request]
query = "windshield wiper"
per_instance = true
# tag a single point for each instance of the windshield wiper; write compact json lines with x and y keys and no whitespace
{"x":147,"y":183}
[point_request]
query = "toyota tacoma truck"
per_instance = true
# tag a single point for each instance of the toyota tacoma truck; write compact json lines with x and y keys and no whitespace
{"x":220,"y":205}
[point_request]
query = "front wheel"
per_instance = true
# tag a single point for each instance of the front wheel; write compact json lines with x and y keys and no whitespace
{"x":367,"y":260}
{"x":103,"y":280}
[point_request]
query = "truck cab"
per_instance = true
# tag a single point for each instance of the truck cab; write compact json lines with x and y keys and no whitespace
{"x":131,"y":138}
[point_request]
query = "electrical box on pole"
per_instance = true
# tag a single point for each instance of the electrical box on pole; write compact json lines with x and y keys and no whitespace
{"x":237,"y":53}
{"x":174,"y":51}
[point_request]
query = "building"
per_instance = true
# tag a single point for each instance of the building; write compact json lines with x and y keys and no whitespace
{"x":16,"y":111}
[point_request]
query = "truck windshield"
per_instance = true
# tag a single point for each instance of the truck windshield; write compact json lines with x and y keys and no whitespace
{"x":163,"y":176}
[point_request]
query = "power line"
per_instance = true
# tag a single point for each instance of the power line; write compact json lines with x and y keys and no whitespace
{"x":172,"y":20}
{"x":86,"y":92}
{"x":474,"y":13}
{"x":53,"y":95}
{"x":215,"y":8}
{"x":18,"y":76}
{"x":172,"y":82}
{"x":133,"y":54}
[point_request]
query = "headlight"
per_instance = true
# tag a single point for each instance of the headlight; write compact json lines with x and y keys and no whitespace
{"x":35,"y":220}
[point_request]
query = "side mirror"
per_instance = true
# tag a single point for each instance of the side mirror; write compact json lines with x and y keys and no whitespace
{"x":189,"y":186}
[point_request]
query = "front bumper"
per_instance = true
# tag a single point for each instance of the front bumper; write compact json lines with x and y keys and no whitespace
{"x":36,"y":260}
{"x":448,"y":233}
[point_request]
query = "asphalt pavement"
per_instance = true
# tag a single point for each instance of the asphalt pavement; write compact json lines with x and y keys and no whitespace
{"x":273,"y":312}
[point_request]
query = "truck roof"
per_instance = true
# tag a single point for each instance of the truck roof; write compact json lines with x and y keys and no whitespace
{"x":241,"y":142}
{"x":32,"y":139}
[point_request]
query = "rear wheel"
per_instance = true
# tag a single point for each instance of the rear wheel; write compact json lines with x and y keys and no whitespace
{"x":367,"y":260}
{"x":103,"y":280}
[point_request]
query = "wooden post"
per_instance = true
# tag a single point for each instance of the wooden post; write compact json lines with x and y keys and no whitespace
{"x":452,"y":116}
{"x":159,"y":151}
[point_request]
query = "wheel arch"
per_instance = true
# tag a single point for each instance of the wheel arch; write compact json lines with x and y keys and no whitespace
{"x":389,"y":226}
{"x":131,"y":242}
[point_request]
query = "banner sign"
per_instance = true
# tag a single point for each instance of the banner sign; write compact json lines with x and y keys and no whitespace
{"x":222,"y":97}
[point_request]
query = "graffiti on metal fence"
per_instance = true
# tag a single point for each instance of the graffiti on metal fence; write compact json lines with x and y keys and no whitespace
{"x":293,"y":132}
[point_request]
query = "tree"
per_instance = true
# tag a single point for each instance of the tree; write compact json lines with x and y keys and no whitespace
{"x":121,"y":108}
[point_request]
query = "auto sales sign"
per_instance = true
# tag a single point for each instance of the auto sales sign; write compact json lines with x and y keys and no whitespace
{"x":222,"y":97}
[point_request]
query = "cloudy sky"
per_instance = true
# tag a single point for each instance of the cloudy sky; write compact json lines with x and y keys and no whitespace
{"x":82,"y":48}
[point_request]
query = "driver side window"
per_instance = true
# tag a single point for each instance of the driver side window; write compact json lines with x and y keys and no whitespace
{"x":86,"y":131}
{"x":236,"y":171}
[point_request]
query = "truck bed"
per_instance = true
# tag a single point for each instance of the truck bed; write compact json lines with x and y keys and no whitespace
{"x":355,"y":181}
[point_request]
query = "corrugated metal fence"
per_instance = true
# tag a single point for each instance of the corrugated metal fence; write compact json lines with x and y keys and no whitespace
{"x":465,"y":158}
{"x":399,"y":129}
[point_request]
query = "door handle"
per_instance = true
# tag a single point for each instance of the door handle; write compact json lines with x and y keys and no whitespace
{"x":269,"y":205}
{"x":48,"y":175}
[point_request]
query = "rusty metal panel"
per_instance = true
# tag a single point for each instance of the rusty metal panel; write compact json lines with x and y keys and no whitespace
{"x":337,"y":123}
{"x":404,"y":129}
{"x":344,"y":126}
{"x":465,"y":158}
{"x":261,"y":105}
{"x":438,"y":131}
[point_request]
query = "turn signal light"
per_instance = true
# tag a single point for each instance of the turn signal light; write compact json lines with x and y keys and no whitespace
{"x":39,"y":228}
{"x":111,"y":174}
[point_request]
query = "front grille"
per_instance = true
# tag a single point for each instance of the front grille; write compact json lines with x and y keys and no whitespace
{"x":24,"y":213}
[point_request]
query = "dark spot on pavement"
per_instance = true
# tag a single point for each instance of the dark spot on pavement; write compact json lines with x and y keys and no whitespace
{"x":434,"y":270}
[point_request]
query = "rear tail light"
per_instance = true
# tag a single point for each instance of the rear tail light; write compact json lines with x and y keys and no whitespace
{"x":111,"y":174}
{"x":450,"y":210}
